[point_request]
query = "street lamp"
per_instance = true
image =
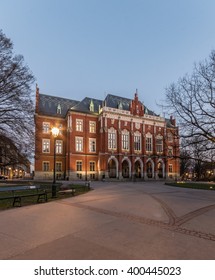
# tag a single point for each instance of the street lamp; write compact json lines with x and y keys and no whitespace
{"x":55,"y":132}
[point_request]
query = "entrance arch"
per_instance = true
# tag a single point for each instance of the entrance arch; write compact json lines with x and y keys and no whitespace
{"x":126,"y":168}
{"x":112,"y":167}
{"x":150,"y":168}
{"x":138,"y":168}
{"x":160,"y":169}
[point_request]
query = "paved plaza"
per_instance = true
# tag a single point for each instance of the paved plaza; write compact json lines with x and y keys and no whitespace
{"x":142,"y":220}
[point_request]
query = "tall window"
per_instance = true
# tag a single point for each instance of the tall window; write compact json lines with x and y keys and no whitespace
{"x":78,"y":165}
{"x":92,"y":126}
{"x":79,"y":144}
{"x":159,"y":144}
{"x":58,"y":166}
{"x":170,"y":137}
{"x":59,"y":146}
{"x":46,"y":145}
{"x":46,"y":127}
{"x":170,"y":151}
{"x":92,"y":145}
{"x":148,"y":142}
{"x":170,"y":168}
{"x":125,"y":140}
{"x":92,"y":165}
{"x":45,"y":165}
{"x":111,"y":138}
{"x":137,"y":142}
{"x":79,"y":125}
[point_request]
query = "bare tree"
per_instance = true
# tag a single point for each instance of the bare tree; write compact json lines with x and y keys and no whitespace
{"x":16,"y":102}
{"x":192,"y":100}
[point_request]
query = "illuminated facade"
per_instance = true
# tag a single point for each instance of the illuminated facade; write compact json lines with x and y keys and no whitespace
{"x":115,"y":138}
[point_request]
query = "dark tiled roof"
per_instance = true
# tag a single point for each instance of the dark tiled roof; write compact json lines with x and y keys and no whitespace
{"x":113,"y":101}
{"x":84,"y":105}
{"x":48,"y":105}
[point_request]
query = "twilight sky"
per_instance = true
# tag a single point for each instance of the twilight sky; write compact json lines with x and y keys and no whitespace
{"x":78,"y":48}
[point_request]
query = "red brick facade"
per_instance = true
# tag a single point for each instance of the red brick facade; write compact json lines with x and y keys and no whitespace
{"x":115,"y":138}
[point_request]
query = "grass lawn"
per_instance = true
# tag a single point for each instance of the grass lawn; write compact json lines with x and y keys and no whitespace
{"x":8,"y":203}
{"x":193,"y":185}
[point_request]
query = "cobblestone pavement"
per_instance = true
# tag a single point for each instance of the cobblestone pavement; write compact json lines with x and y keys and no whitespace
{"x":142,"y":220}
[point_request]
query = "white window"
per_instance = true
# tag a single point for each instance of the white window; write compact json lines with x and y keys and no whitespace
{"x":148,"y":142}
{"x":46,"y":127}
{"x":79,"y":165}
{"x":79,"y":125}
{"x":159,"y":144}
{"x":58,"y":166}
{"x":92,"y":145}
{"x":92,"y":166}
{"x":92,"y":126}
{"x":46,"y":165}
{"x":137,"y":142}
{"x":170,"y":168}
{"x":79,"y":144}
{"x":59,"y":146}
{"x":125,"y":140}
{"x":112,"y":138}
{"x":46,"y":145}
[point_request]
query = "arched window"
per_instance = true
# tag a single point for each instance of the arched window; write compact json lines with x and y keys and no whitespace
{"x":112,"y":144}
{"x":137,"y":141}
{"x":149,"y":144}
{"x":125,"y":140}
{"x":159,"y":144}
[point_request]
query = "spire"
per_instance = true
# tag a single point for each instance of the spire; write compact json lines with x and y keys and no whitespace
{"x":37,"y":99}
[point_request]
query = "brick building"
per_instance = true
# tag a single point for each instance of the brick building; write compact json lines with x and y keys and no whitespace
{"x":112,"y":138}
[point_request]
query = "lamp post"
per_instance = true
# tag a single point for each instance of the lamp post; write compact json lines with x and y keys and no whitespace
{"x":55,"y":132}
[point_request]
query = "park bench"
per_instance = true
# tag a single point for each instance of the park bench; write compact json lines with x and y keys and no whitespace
{"x":17,"y":198}
{"x":64,"y":189}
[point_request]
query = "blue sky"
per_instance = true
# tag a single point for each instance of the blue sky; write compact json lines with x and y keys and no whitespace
{"x":78,"y":48}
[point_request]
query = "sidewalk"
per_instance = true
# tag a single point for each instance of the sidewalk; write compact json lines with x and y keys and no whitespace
{"x":114,"y":221}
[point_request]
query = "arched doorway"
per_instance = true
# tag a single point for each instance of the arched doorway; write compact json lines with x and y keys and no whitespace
{"x":112,"y":168}
{"x":137,"y":168}
{"x":160,"y":170}
{"x":125,"y":169}
{"x":149,"y":169}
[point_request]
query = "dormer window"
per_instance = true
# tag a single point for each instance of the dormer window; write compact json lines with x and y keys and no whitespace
{"x":120,"y":105}
{"x":91,"y":106}
{"x":58,"y":109}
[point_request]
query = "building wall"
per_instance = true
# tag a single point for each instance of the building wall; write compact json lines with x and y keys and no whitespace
{"x":106,"y":162}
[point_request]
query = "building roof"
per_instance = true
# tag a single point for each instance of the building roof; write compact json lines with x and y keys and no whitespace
{"x":88,"y":105}
{"x":55,"y":106}
{"x":49,"y":105}
{"x":115,"y":101}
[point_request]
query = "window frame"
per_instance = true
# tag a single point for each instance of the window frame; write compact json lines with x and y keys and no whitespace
{"x":79,"y":144}
{"x":79,"y":125}
{"x":46,"y":142}
{"x":92,"y":145}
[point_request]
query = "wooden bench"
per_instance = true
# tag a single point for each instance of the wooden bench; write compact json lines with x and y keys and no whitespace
{"x":67,"y":191}
{"x":17,"y":198}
